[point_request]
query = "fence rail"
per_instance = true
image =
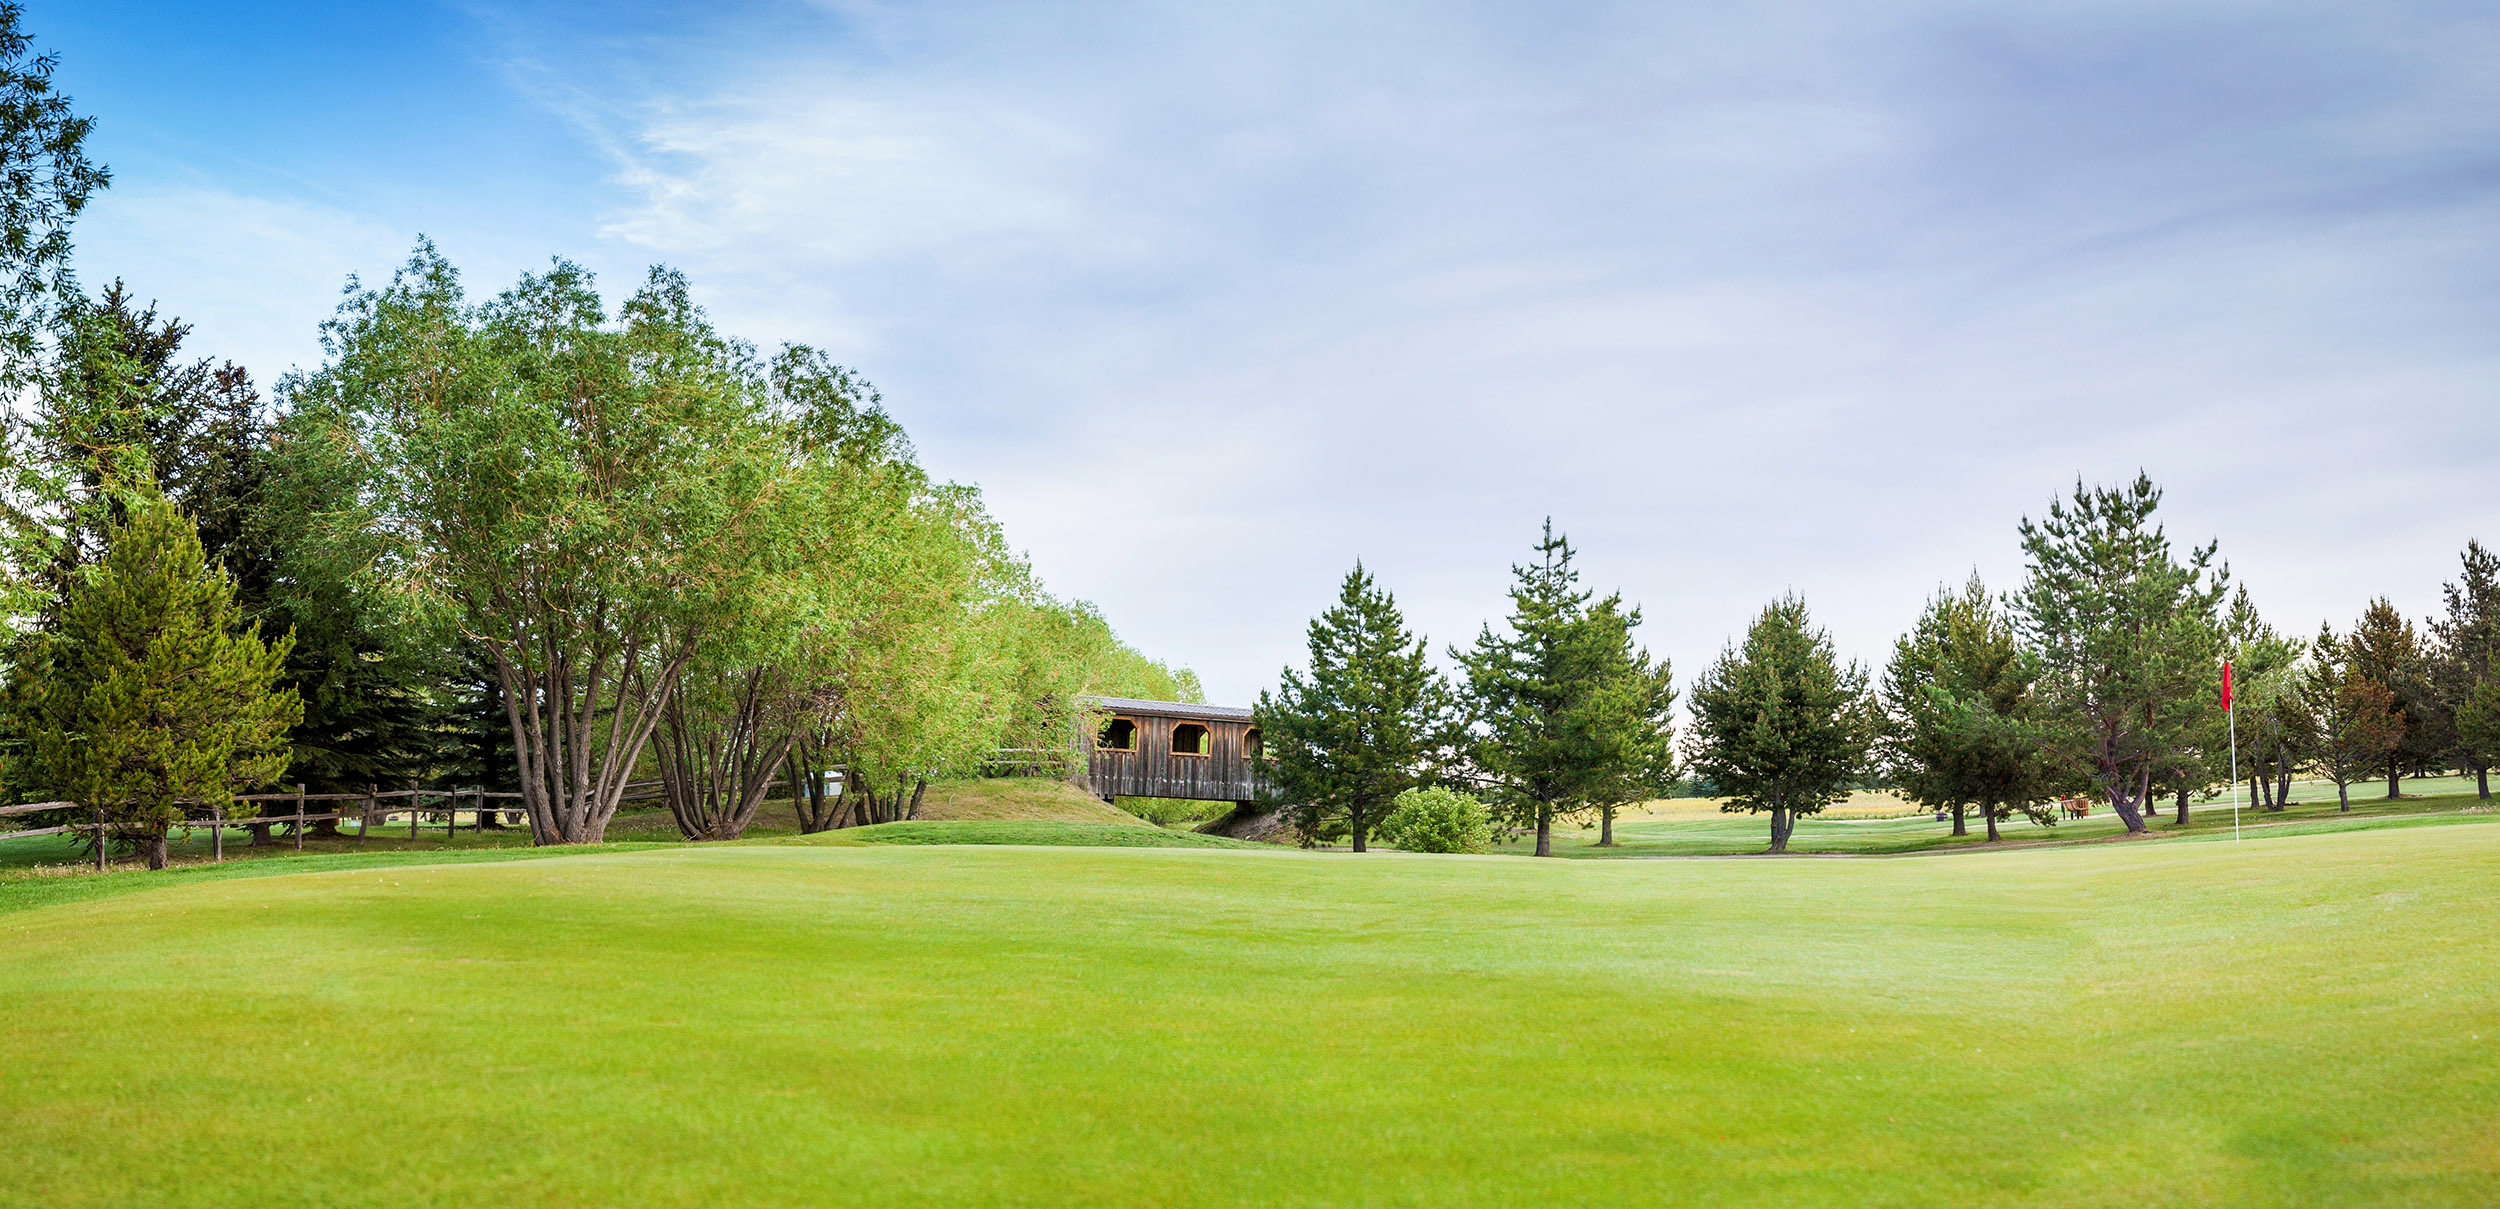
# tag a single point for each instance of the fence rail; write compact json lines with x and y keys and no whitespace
{"x":371,"y":811}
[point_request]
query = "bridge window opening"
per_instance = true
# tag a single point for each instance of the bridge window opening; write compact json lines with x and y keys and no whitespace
{"x":1119,"y":734}
{"x":1250,"y":744}
{"x":1190,"y":739}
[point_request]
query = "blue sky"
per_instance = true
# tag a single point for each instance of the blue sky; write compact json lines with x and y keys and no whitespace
{"x":1213,"y":302}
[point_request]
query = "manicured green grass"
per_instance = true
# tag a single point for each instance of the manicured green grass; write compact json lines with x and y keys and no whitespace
{"x":1043,"y":833}
{"x":2291,"y":1020}
{"x":74,"y":883}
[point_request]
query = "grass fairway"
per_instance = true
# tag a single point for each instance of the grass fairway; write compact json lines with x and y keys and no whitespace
{"x":1034,"y":833}
{"x":2294,"y":1020}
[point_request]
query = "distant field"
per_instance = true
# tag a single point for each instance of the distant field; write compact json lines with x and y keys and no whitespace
{"x":2302,"y":1019}
{"x":1696,"y":826}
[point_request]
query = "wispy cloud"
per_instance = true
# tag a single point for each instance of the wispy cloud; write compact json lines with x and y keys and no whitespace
{"x":254,"y":276}
{"x":1824,"y":296}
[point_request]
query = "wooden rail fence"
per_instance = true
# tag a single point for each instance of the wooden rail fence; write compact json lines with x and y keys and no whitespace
{"x":369,"y":810}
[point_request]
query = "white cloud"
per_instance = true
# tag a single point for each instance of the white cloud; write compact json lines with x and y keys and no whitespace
{"x":1800,"y":297}
{"x":254,"y":276}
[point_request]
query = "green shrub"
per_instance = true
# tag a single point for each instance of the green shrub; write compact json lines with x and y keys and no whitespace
{"x":1174,"y":812}
{"x":1438,"y":820}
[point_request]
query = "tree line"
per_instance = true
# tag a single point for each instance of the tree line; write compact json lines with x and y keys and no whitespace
{"x":2100,"y":676}
{"x":533,"y":543}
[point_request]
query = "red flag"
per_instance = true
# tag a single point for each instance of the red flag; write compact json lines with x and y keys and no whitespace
{"x":2226,"y":684}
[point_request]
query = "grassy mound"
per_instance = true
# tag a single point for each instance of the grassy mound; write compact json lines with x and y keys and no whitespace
{"x":2301,"y":1020}
{"x":1044,"y":833}
{"x":991,"y":798}
{"x":1017,"y":798}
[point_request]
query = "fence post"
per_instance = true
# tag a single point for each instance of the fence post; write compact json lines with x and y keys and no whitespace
{"x":99,"y":837}
{"x":299,"y":816}
{"x":217,"y":833}
{"x":364,"y":820}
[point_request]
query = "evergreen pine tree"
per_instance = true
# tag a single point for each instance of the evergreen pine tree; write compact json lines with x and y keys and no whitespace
{"x":1959,"y":729}
{"x":2385,"y":649}
{"x":1341,"y":743}
{"x":152,"y":692}
{"x":1566,"y":716}
{"x":2353,"y":721}
{"x":2127,"y":638}
{"x":1779,"y":726}
{"x":2467,"y":674}
{"x":2265,"y":676}
{"x":1629,"y":730}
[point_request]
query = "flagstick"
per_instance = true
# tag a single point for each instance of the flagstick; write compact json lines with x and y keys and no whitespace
{"x":2232,"y":712}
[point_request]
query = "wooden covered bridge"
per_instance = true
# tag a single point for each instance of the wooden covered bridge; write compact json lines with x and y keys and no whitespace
{"x":1170,"y":749}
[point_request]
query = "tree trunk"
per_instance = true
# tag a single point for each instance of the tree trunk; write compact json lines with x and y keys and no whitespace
{"x":155,"y":845}
{"x":1779,"y":829}
{"x":918,"y":788}
{"x":2393,"y":776}
{"x":1606,"y":828}
{"x":2129,"y":807}
{"x":580,"y":720}
{"x":1544,"y":830}
{"x":1959,"y":829}
{"x":2482,"y":782}
{"x":1989,"y":814}
{"x":2183,"y":815}
{"x":846,"y":805}
{"x":1356,"y":828}
{"x":260,"y":836}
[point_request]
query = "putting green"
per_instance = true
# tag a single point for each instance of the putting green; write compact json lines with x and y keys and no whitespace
{"x":2302,"y":1020}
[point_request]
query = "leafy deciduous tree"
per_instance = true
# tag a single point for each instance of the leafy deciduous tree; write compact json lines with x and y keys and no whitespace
{"x":45,"y":181}
{"x":582,"y":499}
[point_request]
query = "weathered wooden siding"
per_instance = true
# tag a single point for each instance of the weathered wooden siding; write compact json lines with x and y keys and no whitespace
{"x":1154,"y":770}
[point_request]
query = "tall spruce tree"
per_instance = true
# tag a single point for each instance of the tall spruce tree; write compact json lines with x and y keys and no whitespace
{"x":1564,"y":717}
{"x":1779,"y":725}
{"x":1959,"y":734}
{"x":1631,"y":718}
{"x":2468,"y":669}
{"x":118,"y":411}
{"x":2385,"y":649}
{"x":2127,"y":636}
{"x":2353,"y":721}
{"x":153,"y":693}
{"x":1341,"y":742}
